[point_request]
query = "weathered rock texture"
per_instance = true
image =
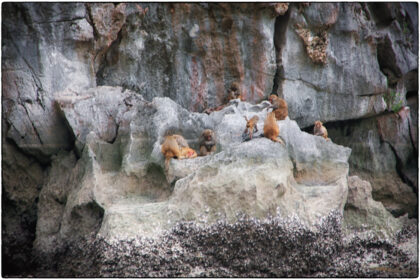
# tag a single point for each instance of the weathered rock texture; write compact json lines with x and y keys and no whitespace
{"x":307,"y":177}
{"x":363,"y":214}
{"x":45,"y":50}
{"x":351,"y":82}
{"x":88,"y":90}
{"x":193,"y":52}
{"x":22,"y":179}
{"x":382,"y":152}
{"x":272,"y":247}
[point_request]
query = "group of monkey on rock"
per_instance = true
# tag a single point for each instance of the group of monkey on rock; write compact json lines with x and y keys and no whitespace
{"x":175,"y":146}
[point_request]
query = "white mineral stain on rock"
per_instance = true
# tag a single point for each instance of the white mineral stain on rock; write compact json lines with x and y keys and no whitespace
{"x":194,"y":31}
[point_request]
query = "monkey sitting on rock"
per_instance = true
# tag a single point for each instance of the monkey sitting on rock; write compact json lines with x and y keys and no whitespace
{"x":271,"y":128}
{"x":207,"y":142}
{"x":279,"y":106}
{"x":320,"y":130}
{"x":175,"y":146}
{"x":234,"y":92}
{"x":251,"y":127}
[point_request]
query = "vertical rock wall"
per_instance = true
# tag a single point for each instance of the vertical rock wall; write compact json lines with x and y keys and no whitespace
{"x":193,"y":52}
{"x":336,"y":62}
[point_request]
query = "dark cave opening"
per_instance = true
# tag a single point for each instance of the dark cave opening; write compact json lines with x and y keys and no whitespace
{"x":279,"y":41}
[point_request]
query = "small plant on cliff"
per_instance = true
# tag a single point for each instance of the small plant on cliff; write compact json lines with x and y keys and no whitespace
{"x":406,"y":30}
{"x":393,"y":101}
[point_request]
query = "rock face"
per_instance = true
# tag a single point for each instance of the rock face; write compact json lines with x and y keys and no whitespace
{"x":303,"y":185}
{"x":307,"y":177}
{"x":192,"y":53}
{"x":88,"y":91}
{"x":362,"y":213}
{"x":22,"y":179}
{"x":379,"y":156}
{"x":45,"y":53}
{"x":271,"y":247}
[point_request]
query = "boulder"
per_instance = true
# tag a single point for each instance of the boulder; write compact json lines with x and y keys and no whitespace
{"x":363,"y":214}
{"x":125,"y":181}
{"x":47,"y":52}
{"x":379,"y":159}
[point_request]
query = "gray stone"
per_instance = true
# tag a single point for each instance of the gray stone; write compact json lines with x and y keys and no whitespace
{"x":22,"y":179}
{"x":193,"y":52}
{"x":375,"y":158}
{"x":125,"y":177}
{"x":350,"y":84}
{"x":48,"y":51}
{"x":95,"y":151}
{"x":363,"y":214}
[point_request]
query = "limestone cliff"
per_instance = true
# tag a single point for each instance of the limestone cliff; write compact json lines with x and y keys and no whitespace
{"x":89,"y":89}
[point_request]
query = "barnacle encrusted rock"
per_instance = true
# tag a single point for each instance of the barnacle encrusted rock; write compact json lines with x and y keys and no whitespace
{"x":315,"y":44}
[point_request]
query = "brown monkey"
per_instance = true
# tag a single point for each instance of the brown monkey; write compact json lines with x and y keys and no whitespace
{"x":271,"y":128}
{"x":234,"y":92}
{"x":207,"y":142}
{"x":175,"y":146}
{"x":320,"y":130}
{"x":251,"y":125}
{"x":279,"y":106}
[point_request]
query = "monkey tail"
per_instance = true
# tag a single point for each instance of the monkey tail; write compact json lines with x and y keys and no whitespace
{"x":280,"y":140}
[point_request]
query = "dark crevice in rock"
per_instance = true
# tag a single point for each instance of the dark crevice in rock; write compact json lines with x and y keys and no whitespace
{"x":388,"y":61}
{"x":43,"y":163}
{"x":86,"y":219}
{"x":117,"y":127}
{"x":381,"y":14}
{"x":399,"y":167}
{"x":404,"y":178}
{"x":17,"y":248}
{"x":369,"y":94}
{"x":411,"y":133}
{"x":108,"y":57}
{"x":63,"y":120}
{"x":411,"y":94}
{"x":280,"y":29}
{"x":58,"y":21}
{"x":19,"y":210}
{"x":89,"y":19}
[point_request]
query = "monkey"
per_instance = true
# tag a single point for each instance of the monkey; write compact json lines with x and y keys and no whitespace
{"x":207,"y":142}
{"x":279,"y":106}
{"x":271,"y":128}
{"x":251,"y":126}
{"x":175,"y":146}
{"x":320,"y":130}
{"x":234,"y":92}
